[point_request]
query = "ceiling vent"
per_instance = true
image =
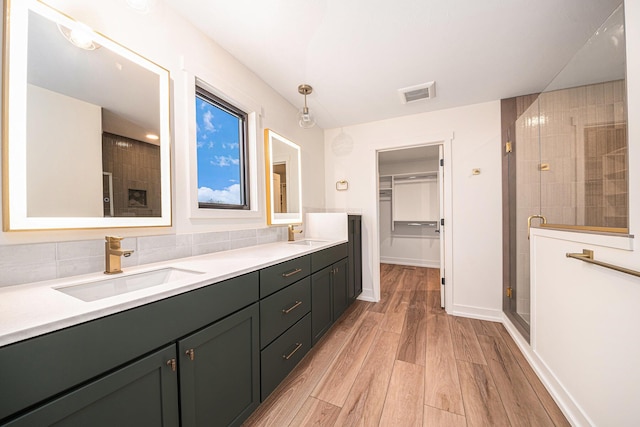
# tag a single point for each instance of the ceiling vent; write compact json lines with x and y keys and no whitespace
{"x":417,"y":92}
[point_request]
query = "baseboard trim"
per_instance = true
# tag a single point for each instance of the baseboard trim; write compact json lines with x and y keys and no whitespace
{"x":567,"y":404}
{"x":476,"y":313}
{"x":411,"y":262}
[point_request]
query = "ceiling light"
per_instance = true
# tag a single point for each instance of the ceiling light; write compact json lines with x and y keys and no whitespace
{"x":80,"y":36}
{"x":142,"y":6}
{"x":305,"y":118}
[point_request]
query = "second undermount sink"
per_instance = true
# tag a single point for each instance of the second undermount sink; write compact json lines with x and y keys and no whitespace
{"x":308,"y":242}
{"x":116,"y":285}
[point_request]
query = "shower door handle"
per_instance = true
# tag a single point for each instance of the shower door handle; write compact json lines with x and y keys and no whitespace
{"x":544,"y":221}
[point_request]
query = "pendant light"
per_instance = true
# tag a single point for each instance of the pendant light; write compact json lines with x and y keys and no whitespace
{"x":305,"y":119}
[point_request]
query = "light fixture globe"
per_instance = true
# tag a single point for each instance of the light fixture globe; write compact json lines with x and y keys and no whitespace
{"x":305,"y":118}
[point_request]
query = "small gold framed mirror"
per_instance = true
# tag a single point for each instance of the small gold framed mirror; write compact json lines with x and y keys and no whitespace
{"x":283,"y":179}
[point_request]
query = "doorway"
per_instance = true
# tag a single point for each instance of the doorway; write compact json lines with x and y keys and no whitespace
{"x":411,"y":208}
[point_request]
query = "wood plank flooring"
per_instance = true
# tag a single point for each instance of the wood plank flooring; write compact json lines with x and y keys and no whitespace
{"x":404,"y":362}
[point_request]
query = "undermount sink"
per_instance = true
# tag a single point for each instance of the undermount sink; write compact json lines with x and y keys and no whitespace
{"x":99,"y":289}
{"x":308,"y":242}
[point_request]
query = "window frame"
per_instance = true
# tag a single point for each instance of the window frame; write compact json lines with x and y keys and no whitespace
{"x":243,"y":144}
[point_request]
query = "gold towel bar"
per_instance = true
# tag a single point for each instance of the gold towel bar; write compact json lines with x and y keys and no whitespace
{"x":587,"y":256}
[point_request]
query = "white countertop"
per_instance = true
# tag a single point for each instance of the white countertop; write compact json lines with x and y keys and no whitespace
{"x":34,"y":309}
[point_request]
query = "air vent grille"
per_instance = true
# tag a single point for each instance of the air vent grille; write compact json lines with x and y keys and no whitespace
{"x":417,"y":92}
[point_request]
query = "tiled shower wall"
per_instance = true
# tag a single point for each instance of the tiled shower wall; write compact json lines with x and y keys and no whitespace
{"x":45,"y":261}
{"x":552,"y":132}
{"x":134,"y":165}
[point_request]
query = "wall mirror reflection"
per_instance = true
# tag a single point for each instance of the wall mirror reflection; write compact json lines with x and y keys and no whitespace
{"x":283,"y":177}
{"x":86,"y":138}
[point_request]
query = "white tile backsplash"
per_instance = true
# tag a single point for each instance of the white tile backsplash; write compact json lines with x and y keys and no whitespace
{"x":45,"y":261}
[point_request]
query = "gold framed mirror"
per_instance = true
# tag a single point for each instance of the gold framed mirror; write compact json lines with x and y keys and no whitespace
{"x":86,"y":133}
{"x":283,"y":178}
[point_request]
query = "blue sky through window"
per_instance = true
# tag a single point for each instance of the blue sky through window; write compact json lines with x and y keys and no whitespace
{"x":218,"y":154}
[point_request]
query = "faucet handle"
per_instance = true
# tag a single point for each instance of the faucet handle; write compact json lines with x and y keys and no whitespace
{"x":113,"y":241}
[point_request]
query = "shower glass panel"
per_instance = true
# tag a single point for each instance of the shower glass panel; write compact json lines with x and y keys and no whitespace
{"x":582,"y":125}
{"x":565,"y":163}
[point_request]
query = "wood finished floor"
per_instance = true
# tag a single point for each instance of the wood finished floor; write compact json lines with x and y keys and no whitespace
{"x":404,"y":362}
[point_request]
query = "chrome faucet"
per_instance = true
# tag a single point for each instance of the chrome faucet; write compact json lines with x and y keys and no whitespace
{"x":292,"y":231}
{"x":113,"y":254}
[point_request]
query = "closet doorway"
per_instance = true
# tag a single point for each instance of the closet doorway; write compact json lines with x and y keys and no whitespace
{"x":411,"y":208}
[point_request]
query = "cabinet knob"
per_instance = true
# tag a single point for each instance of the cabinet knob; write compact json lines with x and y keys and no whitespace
{"x":172,"y":364}
{"x":191,"y":354}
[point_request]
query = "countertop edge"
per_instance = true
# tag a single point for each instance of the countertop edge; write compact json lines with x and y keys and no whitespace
{"x":84,"y":312}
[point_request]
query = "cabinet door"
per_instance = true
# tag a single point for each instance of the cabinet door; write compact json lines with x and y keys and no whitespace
{"x":339,"y":282}
{"x":143,"y":393}
{"x":219,"y":371}
{"x":355,"y":257}
{"x":321,"y":311}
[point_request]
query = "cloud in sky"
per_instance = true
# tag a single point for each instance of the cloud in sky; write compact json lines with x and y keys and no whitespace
{"x":225,"y":161}
{"x":230,"y":145}
{"x":229,"y":195}
{"x":207,"y":118}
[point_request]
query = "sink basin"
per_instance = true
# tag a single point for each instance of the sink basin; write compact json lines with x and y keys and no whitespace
{"x":308,"y":242}
{"x":116,"y":285}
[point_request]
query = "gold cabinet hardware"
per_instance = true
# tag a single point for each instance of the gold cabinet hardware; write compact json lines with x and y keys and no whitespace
{"x":544,"y":167}
{"x":542,"y":217}
{"x":508,"y":148}
{"x":292,"y":272}
{"x":293,"y":307}
{"x":191,"y":354}
{"x":287,"y":357}
{"x":172,"y":364}
{"x":509,"y":292}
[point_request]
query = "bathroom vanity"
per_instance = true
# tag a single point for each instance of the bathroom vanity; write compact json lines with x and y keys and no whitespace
{"x":206,"y":355}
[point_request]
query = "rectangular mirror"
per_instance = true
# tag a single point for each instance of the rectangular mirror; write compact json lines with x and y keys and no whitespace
{"x":283,"y":177}
{"x":86,"y":135}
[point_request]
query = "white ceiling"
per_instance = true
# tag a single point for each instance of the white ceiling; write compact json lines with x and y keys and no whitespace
{"x":357,"y":53}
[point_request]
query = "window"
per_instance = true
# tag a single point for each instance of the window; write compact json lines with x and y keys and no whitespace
{"x":222,"y":160}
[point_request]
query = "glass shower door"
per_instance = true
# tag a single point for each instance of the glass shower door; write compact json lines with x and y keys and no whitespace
{"x":522,"y":203}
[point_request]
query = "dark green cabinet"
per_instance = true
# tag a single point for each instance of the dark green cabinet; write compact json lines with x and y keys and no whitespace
{"x":143,"y":393}
{"x":281,"y":310}
{"x":282,"y":355}
{"x":339,"y":285}
{"x":321,"y":310}
{"x":202,"y":358}
{"x":355,"y":256}
{"x":220,"y":371}
{"x":329,"y":293}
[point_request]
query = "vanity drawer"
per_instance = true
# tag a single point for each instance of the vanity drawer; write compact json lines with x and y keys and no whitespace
{"x":325,"y":257}
{"x":284,"y":308}
{"x":282,"y":355}
{"x":278,"y":276}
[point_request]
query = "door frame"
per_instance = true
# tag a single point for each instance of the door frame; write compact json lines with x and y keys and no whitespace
{"x":446,"y":257}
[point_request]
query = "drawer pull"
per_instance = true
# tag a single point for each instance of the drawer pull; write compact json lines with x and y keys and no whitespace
{"x":293,"y":307}
{"x":292,"y":272}
{"x":191,"y":354}
{"x":287,"y":357}
{"x":172,"y":364}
